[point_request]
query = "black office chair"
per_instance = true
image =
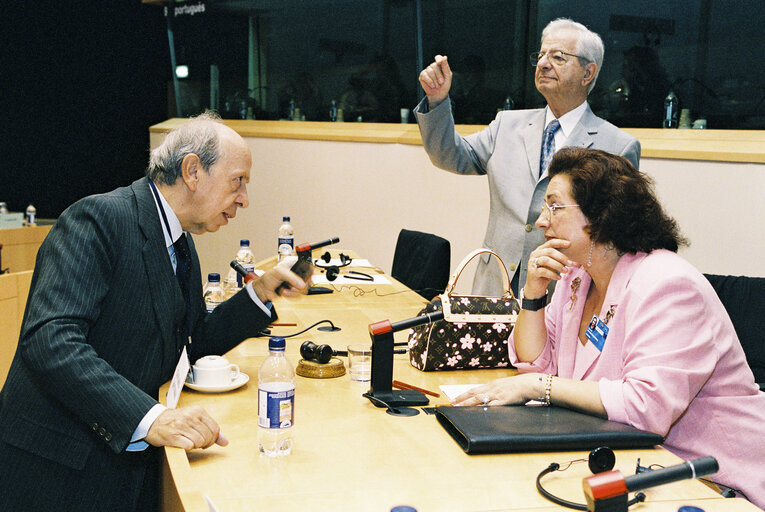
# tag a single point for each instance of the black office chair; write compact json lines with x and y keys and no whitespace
{"x":422,"y":262}
{"x":744,"y":299}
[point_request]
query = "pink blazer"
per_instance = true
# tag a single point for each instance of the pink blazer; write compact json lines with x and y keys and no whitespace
{"x":671,"y":363}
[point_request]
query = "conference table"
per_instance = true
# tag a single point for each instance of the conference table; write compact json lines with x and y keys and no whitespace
{"x":350,"y":455}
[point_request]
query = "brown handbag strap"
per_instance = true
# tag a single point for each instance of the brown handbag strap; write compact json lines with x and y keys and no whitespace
{"x":455,"y":276}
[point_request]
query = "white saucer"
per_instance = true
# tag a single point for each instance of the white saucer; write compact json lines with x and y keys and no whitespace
{"x":240,"y":381}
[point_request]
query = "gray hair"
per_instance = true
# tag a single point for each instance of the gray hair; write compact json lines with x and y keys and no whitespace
{"x":589,"y":45}
{"x":198,"y":136}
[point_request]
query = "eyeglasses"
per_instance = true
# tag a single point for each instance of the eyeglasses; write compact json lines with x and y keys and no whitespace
{"x":556,"y":57}
{"x":549,"y":211}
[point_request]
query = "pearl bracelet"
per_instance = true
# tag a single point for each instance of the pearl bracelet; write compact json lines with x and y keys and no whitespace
{"x":548,"y":389}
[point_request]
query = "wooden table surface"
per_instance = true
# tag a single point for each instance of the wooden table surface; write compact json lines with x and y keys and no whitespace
{"x":351,"y":455}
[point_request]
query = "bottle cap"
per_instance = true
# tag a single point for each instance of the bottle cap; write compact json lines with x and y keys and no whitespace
{"x":690,"y":508}
{"x":403,"y":508}
{"x":285,"y":219}
{"x":276,"y":343}
{"x":213,"y":277}
{"x":244,"y":243}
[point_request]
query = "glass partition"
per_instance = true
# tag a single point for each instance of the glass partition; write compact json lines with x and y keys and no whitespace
{"x":296,"y":59}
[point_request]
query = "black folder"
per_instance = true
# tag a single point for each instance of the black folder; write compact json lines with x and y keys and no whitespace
{"x":528,"y":428}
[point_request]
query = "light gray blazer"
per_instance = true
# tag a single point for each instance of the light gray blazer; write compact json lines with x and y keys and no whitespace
{"x":508,"y":152}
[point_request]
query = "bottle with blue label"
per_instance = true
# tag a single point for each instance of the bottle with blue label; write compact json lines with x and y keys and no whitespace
{"x":30,"y":217}
{"x":213,"y":292}
{"x":286,"y":240}
{"x":245,"y":259}
{"x":276,"y":401}
{"x":671,"y":110}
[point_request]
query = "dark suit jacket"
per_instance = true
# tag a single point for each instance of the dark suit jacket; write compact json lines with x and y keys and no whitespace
{"x":102,"y":331}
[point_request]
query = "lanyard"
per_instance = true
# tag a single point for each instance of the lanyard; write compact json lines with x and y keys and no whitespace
{"x":170,"y":235}
{"x":162,"y":211}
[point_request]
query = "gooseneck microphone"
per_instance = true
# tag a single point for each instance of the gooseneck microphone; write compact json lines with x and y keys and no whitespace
{"x":608,"y":491}
{"x":427,"y":318}
{"x":246,"y":276}
{"x":689,"y":469}
{"x":382,"y":361}
{"x":304,"y":265}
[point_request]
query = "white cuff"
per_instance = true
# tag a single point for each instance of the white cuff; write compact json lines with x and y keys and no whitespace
{"x":137,"y":442}
{"x":254,"y":296}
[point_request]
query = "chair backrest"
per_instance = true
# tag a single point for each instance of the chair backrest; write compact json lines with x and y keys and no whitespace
{"x":422,"y":262}
{"x":744,"y":299}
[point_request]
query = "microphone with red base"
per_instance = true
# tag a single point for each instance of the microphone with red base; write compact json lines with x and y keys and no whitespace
{"x":304,"y":265}
{"x":607,"y":492}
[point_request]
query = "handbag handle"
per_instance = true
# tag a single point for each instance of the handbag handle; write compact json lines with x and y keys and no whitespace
{"x":505,"y":277}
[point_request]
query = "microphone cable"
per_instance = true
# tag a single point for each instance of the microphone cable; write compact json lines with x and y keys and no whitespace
{"x":332,"y":326}
{"x":639,"y":497}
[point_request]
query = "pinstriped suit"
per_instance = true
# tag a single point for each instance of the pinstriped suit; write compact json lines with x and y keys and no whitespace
{"x":508,"y":151}
{"x":102,"y":331}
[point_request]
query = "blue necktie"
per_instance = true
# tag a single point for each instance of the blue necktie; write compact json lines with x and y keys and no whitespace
{"x":548,"y":145}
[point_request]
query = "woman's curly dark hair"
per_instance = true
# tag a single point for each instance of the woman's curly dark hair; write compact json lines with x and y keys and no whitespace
{"x":618,"y":201}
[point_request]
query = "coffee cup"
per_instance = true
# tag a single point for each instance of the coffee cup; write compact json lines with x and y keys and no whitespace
{"x":212,"y":371}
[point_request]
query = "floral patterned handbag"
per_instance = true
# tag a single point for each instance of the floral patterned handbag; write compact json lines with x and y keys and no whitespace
{"x":475,"y":330}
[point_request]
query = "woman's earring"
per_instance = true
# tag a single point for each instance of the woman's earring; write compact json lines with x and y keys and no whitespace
{"x":589,"y":258}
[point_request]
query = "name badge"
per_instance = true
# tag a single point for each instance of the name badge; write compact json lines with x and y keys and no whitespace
{"x":179,"y":377}
{"x":597,"y":332}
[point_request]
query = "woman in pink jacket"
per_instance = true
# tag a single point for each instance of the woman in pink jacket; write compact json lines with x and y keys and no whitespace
{"x":633,"y":333}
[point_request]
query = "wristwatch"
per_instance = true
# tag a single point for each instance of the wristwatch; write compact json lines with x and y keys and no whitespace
{"x":533,"y":304}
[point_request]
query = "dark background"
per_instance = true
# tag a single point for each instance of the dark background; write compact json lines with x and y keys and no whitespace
{"x":82,"y":81}
{"x":81,"y":84}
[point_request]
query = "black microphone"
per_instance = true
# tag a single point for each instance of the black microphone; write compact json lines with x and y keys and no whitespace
{"x":246,"y":276}
{"x":689,"y":469}
{"x":608,"y":491}
{"x":303,"y":266}
{"x":433,"y":316}
{"x":317,"y":245}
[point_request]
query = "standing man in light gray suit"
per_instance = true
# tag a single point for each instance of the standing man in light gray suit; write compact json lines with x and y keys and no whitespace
{"x":115,"y":303}
{"x":510,"y":150}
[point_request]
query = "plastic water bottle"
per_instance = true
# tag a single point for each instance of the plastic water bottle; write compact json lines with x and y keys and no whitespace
{"x":276,"y":401}
{"x":286,"y":243}
{"x":213,"y":292}
{"x":246,"y":259}
{"x":671,"y":110}
{"x":291,"y":112}
{"x":333,"y":111}
{"x":3,"y":208}
{"x":30,"y":217}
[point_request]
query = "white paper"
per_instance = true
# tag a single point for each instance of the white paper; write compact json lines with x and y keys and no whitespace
{"x":454,"y":390}
{"x":179,"y":378}
{"x":210,"y":504}
{"x":321,"y":278}
{"x":355,"y":262}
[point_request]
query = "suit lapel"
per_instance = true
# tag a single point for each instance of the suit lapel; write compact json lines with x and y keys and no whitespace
{"x":532,"y":140}
{"x":620,"y":278}
{"x":159,"y":270}
{"x":585,"y":131}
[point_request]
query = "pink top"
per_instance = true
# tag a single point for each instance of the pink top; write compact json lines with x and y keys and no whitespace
{"x":671,"y":364}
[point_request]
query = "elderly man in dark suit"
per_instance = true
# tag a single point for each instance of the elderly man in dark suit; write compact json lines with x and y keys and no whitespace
{"x":516,"y":147}
{"x":107,"y":322}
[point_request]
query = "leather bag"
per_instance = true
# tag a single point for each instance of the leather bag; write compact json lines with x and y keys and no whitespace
{"x":474,"y":333}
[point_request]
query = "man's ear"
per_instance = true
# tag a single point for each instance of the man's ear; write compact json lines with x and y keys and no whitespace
{"x":589,"y":73}
{"x":191,"y":166}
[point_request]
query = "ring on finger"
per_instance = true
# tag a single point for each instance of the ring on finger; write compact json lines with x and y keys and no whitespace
{"x":485,"y":399}
{"x":535,"y":263}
